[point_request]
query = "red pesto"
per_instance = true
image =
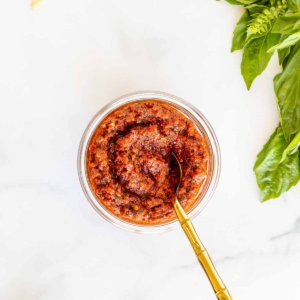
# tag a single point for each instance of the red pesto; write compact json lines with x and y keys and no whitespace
{"x":131,"y":170}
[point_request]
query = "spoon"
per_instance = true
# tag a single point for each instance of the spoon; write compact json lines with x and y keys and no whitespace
{"x":203,"y":257}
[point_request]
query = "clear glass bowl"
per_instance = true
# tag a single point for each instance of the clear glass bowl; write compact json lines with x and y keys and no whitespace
{"x":199,"y":120}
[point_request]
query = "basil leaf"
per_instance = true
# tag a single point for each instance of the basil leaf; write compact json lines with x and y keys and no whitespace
{"x":253,"y":36}
{"x":285,"y":24}
{"x":282,"y":55}
{"x":288,"y":42}
{"x":256,"y":9}
{"x":292,"y":147}
{"x":255,"y":56}
{"x":273,"y":177}
{"x":247,"y":2}
{"x":240,"y":32}
{"x":234,"y":2}
{"x":297,"y":25}
{"x":287,"y":89}
{"x":262,"y":2}
{"x":292,"y":5}
{"x":261,"y":155}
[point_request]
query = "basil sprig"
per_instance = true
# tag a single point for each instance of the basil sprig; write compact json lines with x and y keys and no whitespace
{"x":277,"y":166}
{"x":267,"y":26}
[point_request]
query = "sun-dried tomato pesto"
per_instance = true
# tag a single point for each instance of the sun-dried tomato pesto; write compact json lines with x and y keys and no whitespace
{"x":130,"y":168}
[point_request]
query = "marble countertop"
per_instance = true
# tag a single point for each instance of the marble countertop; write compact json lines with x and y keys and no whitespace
{"x":59,"y":65}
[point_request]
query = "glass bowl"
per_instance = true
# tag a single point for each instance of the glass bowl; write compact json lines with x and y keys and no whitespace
{"x":200,"y":122}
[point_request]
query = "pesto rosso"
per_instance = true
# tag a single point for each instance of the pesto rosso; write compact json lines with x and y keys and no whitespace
{"x":129,"y":165}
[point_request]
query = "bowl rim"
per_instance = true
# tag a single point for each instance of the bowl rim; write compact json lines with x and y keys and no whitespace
{"x":139,"y":96}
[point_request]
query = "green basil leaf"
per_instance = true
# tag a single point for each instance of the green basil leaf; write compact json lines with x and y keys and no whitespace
{"x":292,"y":5}
{"x":247,"y":2}
{"x":234,"y":2}
{"x":255,"y":56}
{"x":256,"y":9}
{"x":282,"y":55}
{"x":297,"y":25}
{"x":261,"y":155}
{"x":240,"y":32}
{"x":263,"y":2}
{"x":287,"y":89}
{"x":288,"y":42}
{"x":254,"y":36}
{"x":285,"y":24}
{"x":273,"y":177}
{"x":292,"y":147}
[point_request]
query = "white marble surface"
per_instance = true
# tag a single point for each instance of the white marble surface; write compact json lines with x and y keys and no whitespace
{"x":62,"y":63}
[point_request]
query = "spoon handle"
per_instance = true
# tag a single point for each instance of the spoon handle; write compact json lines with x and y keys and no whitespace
{"x":217,"y":284}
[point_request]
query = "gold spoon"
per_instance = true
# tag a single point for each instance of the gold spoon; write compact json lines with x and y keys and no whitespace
{"x":217,"y":284}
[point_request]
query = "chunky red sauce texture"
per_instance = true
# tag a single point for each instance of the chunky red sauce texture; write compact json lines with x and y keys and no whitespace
{"x":130,"y":166}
